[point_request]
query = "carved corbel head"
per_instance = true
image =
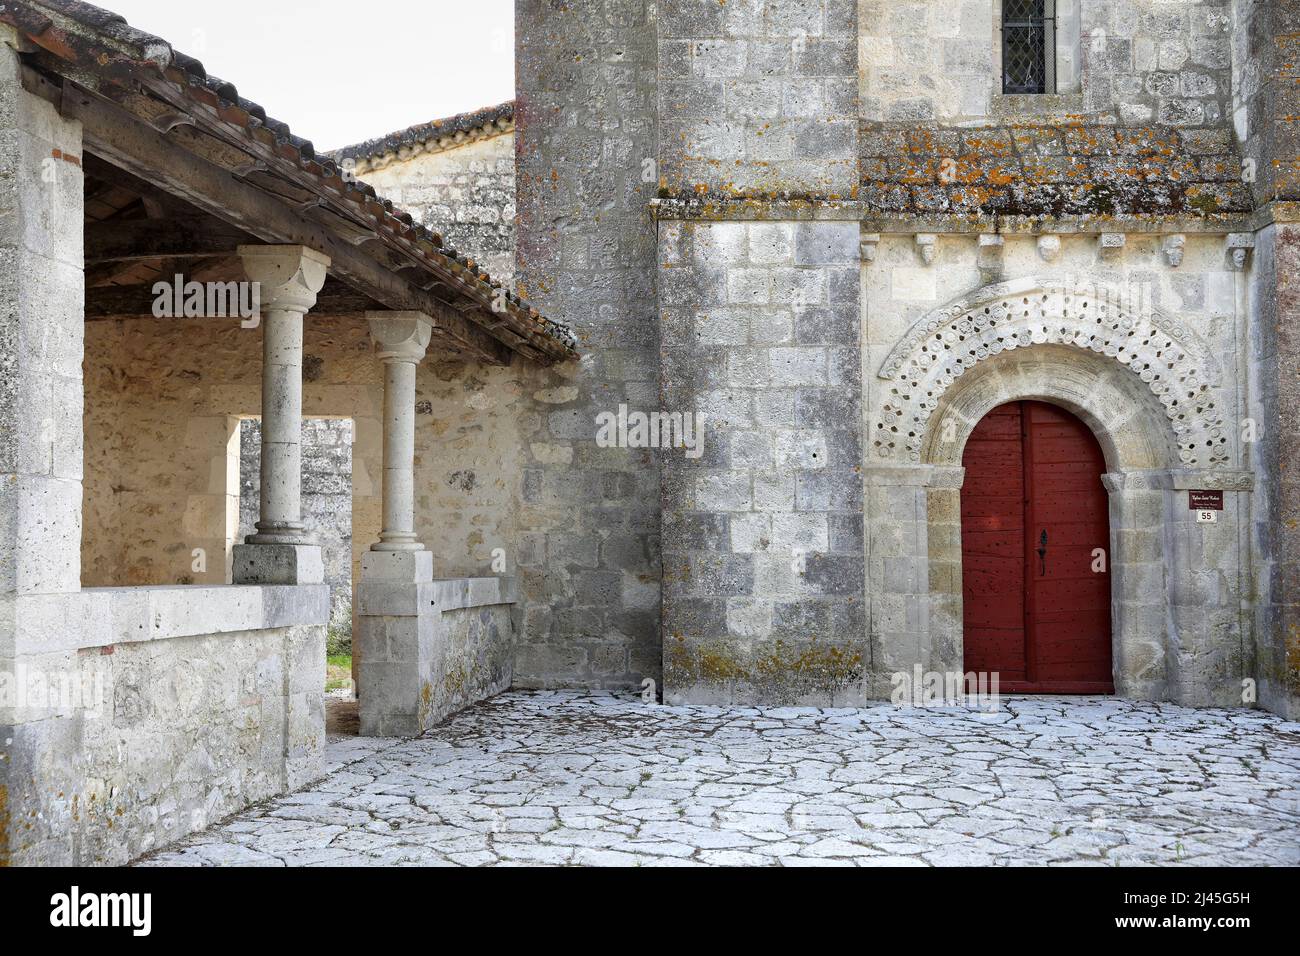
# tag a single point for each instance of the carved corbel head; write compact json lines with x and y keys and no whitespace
{"x":927,"y":246}
{"x":1239,"y":245}
{"x":1173,"y":250}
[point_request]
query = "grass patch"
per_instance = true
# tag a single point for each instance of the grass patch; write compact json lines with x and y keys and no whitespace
{"x":338,"y":671}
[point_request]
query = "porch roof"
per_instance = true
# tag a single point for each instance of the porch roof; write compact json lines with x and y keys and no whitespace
{"x":165,"y":105}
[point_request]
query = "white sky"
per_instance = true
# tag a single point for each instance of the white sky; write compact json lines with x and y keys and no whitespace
{"x":342,"y":71}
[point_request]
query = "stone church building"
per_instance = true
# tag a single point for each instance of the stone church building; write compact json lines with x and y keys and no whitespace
{"x":759,"y":353}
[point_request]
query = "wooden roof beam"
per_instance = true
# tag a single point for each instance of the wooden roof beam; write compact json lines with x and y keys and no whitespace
{"x":116,"y":135}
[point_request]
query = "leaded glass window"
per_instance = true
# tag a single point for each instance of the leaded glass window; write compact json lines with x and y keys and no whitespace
{"x":1028,"y":46}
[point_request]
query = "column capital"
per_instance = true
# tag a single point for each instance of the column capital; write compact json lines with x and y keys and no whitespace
{"x":401,"y":336}
{"x":289,"y":277}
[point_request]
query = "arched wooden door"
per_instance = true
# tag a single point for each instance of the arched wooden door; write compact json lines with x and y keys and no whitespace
{"x":1033,"y":514}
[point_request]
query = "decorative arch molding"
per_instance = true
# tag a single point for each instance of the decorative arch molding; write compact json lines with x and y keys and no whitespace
{"x":1122,"y":414}
{"x":1159,"y":349}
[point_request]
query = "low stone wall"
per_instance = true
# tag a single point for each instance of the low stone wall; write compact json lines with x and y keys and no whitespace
{"x":146,"y":714}
{"x":430,"y":649}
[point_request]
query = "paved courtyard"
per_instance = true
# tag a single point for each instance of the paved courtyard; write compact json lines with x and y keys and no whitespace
{"x":574,"y":778}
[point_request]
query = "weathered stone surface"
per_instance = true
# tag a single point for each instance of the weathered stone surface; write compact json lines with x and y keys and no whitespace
{"x":466,"y":194}
{"x":758,"y":101}
{"x":164,"y":737}
{"x":555,"y":778}
{"x":778,"y":486}
{"x":586,"y":141}
{"x":427,"y":648}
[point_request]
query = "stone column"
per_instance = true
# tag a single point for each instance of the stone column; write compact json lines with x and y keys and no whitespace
{"x":396,"y":662}
{"x":282,"y":551}
{"x":403,"y":338}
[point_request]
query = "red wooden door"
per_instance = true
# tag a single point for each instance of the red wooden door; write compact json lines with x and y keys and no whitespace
{"x":1033,"y":515}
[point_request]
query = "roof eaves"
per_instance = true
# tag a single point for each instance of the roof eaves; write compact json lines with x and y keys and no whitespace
{"x":110,"y":47}
{"x":433,"y":136}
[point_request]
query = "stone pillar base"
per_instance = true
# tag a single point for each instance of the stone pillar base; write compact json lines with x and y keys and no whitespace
{"x":394,"y":642}
{"x":278,"y":564}
{"x":410,"y":567}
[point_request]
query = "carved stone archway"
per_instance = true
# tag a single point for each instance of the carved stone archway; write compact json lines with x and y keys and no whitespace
{"x":1160,"y":351}
{"x":1151,"y":393}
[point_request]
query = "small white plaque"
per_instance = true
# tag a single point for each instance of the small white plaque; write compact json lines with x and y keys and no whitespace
{"x":1207,"y":517}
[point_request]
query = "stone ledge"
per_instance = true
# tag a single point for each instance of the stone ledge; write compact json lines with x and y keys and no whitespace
{"x":102,"y":617}
{"x":456,"y":593}
{"x":1182,"y":479}
{"x":908,"y":223}
{"x":386,"y":598}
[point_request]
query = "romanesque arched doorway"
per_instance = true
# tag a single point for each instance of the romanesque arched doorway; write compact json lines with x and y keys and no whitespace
{"x":1035,"y":538}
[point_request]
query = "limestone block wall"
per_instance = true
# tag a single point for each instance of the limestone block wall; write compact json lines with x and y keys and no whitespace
{"x":589,"y":563}
{"x":467,"y":194}
{"x":1266,"y":117}
{"x":1142,"y":61}
{"x":1266,"y":97}
{"x":1275,"y":398}
{"x":758,"y":98}
{"x":431,"y":649}
{"x":161,"y":712}
{"x":478,"y":659}
{"x":763,"y":533}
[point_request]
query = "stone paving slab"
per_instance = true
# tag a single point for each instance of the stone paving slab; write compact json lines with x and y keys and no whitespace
{"x":575,"y":778}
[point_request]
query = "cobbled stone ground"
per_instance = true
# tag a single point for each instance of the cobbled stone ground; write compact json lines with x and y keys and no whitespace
{"x":577,"y":778}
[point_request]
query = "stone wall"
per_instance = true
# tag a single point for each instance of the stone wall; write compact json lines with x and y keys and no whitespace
{"x":757,"y":98}
{"x":1149,"y":132}
{"x":440,"y":647}
{"x":1137,"y":61}
{"x":589,"y":562}
{"x":762,"y":534}
{"x":466,"y":194}
{"x":1266,"y":96}
{"x":1275,"y":295}
{"x":1267,"y":121}
{"x":168,"y":710}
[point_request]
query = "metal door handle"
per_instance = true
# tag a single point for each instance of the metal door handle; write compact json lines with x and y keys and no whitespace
{"x":1042,"y":554}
